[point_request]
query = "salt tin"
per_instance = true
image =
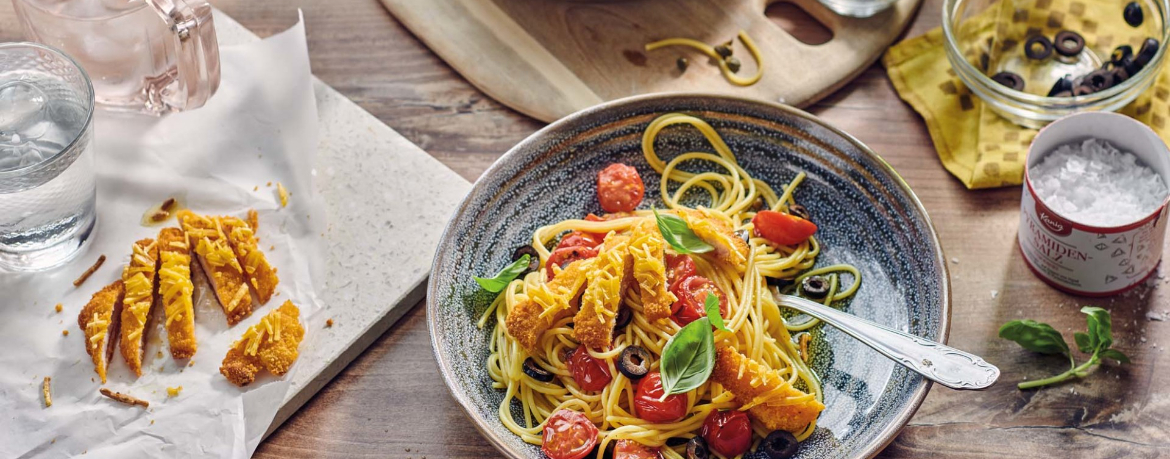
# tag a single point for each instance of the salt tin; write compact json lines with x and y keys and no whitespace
{"x":1085,"y":259}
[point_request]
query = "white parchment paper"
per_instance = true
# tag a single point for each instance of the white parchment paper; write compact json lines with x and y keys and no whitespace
{"x":260,"y":127}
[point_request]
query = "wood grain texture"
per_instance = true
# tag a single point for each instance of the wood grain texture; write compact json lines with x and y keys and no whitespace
{"x":551,"y":58}
{"x":392,"y":403}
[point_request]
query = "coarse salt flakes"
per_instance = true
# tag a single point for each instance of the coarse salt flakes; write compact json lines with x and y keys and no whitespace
{"x":1095,"y":184}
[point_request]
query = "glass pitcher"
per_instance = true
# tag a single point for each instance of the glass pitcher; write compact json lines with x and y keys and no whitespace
{"x":149,"y":56}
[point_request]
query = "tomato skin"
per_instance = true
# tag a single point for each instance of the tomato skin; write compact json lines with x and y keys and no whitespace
{"x":579,"y":239}
{"x":590,"y":374}
{"x":630,"y":449}
{"x":619,"y":188}
{"x":679,"y":267}
{"x":727,"y":432}
{"x":692,"y":299}
{"x":647,"y":406}
{"x":782,"y":228}
{"x":563,"y":256}
{"x":568,"y":435}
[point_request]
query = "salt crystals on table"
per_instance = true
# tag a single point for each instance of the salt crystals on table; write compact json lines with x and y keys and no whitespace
{"x":1095,"y":184}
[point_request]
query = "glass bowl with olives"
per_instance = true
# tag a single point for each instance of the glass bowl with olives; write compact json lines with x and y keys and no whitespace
{"x":1034,"y":61}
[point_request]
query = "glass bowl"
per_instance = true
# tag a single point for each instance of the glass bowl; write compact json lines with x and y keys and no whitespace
{"x":985,"y":37}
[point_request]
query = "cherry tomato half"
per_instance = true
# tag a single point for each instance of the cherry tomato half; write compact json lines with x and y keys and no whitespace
{"x":568,"y":435}
{"x":727,"y":432}
{"x":630,"y":449}
{"x":563,"y":256}
{"x":619,"y":188}
{"x":679,"y":267}
{"x":692,"y":299}
{"x":579,"y":239}
{"x":647,"y":405}
{"x":590,"y":374}
{"x":782,"y":228}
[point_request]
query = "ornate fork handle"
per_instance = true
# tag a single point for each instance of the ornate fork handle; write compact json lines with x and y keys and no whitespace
{"x":936,"y":361}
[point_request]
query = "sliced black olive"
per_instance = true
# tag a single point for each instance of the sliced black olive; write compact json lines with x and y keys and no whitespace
{"x":634,"y":362}
{"x":624,"y":315}
{"x":1119,"y":75}
{"x":536,"y":372}
{"x":799,"y":211}
{"x":733,"y":64}
{"x":1100,"y":80}
{"x":1068,"y":43}
{"x":779,"y":283}
{"x":1120,"y":55}
{"x":1009,"y":80}
{"x":815,"y":287}
{"x":1146,"y":53}
{"x":533,"y":257}
{"x":682,"y":64}
{"x":779,"y":445}
{"x":1133,"y":14}
{"x":676,"y":441}
{"x":1038,"y":47}
{"x":1061,"y":85}
{"x":723,"y":50}
{"x":1083,"y":90}
{"x":697,"y":449}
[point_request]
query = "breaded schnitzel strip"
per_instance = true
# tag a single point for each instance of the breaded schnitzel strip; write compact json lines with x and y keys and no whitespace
{"x":772,"y":401}
{"x":271,"y":344}
{"x":219,"y":263}
{"x":100,"y":322}
{"x":648,"y":249}
{"x":714,"y":228}
{"x":593,"y":325}
{"x":545,"y":305}
{"x":138,"y":278}
{"x":174,"y":290}
{"x":243,"y":240}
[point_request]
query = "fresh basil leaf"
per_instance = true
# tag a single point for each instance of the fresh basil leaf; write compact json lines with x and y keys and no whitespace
{"x":1115,"y":355}
{"x":1084,"y":342}
{"x":679,"y":235}
{"x":1034,"y":336}
{"x":711,"y":304}
{"x":505,"y":276}
{"x":688,"y":359}
{"x":1100,"y":326}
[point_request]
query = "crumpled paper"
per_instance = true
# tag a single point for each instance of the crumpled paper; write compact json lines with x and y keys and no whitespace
{"x":260,"y":127}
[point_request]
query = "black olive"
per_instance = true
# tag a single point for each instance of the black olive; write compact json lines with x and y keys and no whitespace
{"x":676,"y":441}
{"x":815,"y":287}
{"x":1146,"y":53}
{"x":779,"y":445}
{"x":723,"y":50}
{"x":799,"y":211}
{"x":1133,"y":14}
{"x":1100,"y":80}
{"x":1120,"y":75}
{"x":743,"y":234}
{"x":733,"y":64}
{"x":1068,"y":43}
{"x":1083,"y":90}
{"x":1009,"y":80}
{"x":1120,"y":55}
{"x":1062,"y":94}
{"x":682,"y":64}
{"x":634,"y":362}
{"x":779,"y":283}
{"x":533,"y":257}
{"x":536,"y":372}
{"x":624,"y":315}
{"x":1061,"y":85}
{"x":697,"y":449}
{"x":1037,"y":47}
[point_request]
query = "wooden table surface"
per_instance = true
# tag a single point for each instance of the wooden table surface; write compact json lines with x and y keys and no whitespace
{"x":392,"y":403}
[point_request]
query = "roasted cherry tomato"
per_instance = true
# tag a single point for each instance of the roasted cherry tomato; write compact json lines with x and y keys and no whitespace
{"x":648,"y":407}
{"x":579,"y":239}
{"x":568,"y":435}
{"x":619,"y":188}
{"x":727,"y":432}
{"x":679,"y":267}
{"x":692,"y":299}
{"x":630,"y":449}
{"x":563,"y":256}
{"x":782,"y":228}
{"x":590,"y":374}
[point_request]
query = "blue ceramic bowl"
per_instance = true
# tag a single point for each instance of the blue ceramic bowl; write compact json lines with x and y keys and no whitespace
{"x":867,"y":216}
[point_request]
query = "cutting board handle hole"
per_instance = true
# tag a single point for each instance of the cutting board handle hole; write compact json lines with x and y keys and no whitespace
{"x":798,"y":23}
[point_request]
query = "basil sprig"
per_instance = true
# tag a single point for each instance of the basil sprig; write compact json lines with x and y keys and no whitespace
{"x":1042,"y":338}
{"x":711,"y":304}
{"x":679,"y":235}
{"x":688,"y":359}
{"x":505,"y":276}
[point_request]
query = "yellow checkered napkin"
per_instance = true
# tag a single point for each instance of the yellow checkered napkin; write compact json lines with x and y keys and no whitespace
{"x":974,"y":143}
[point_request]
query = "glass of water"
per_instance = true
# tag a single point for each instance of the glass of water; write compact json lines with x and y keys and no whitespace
{"x":47,"y":186}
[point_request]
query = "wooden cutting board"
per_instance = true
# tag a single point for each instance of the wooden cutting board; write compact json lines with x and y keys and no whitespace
{"x":549,"y":58}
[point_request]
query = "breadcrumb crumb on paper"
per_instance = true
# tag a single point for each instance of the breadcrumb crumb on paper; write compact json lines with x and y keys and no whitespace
{"x":124,"y":398}
{"x":59,"y":308}
{"x":283,"y":193}
{"x":174,"y":391}
{"x":329,"y":323}
{"x":45,"y":389}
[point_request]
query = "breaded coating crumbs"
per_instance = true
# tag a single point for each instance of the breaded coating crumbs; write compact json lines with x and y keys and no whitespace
{"x":773,"y":402}
{"x":242,"y":238}
{"x":139,"y":280}
{"x":175,"y":290}
{"x":99,"y":321}
{"x":649,"y":249}
{"x":714,"y":228}
{"x":593,"y":325}
{"x":219,"y":263}
{"x":545,"y":305}
{"x":271,"y":344}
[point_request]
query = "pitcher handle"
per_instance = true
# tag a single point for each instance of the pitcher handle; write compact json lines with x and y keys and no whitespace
{"x":197,"y":52}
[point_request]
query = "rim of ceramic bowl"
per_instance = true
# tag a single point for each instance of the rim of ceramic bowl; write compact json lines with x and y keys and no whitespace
{"x":955,"y":54}
{"x":887,"y":434}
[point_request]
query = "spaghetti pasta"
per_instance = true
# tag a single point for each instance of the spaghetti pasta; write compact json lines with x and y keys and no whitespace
{"x":775,"y":386}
